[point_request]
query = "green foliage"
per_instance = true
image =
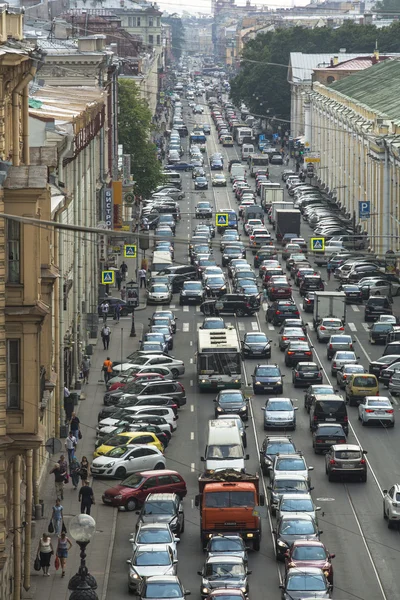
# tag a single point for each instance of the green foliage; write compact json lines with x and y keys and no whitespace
{"x":388,"y":6}
{"x":265,"y":60}
{"x":134,"y":129}
{"x":177,"y":34}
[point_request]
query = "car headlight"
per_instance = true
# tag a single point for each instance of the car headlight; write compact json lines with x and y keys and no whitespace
{"x":110,"y":464}
{"x":118,"y":497}
{"x":243,"y":408}
{"x":257,"y":383}
{"x":203,"y":381}
{"x":243,"y":589}
{"x":282,"y":544}
{"x":219,"y":409}
{"x":133,"y":575}
{"x":204,"y":590}
{"x":278,"y":383}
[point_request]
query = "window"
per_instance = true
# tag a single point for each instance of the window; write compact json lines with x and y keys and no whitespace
{"x":158,"y":40}
{"x":158,"y":21}
{"x":164,"y":480}
{"x":13,"y":249}
{"x":13,"y":374}
{"x":151,"y":39}
{"x":151,"y":22}
{"x":137,"y":21}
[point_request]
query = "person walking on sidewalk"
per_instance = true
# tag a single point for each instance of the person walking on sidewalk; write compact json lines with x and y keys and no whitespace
{"x":124,"y":269}
{"x":74,"y":469}
{"x":105,"y":336}
{"x":70,"y":445}
{"x":74,"y":425}
{"x":59,"y":478}
{"x":86,"y":369}
{"x":105,"y":307}
{"x":64,"y":544}
{"x":329,"y":270}
{"x":142,"y":277}
{"x":45,"y":552}
{"x":117,"y":312}
{"x":57,"y":516}
{"x":86,"y":498}
{"x":84,"y":470}
{"x":107,"y":369}
{"x":123,"y":293}
{"x":118,"y":279}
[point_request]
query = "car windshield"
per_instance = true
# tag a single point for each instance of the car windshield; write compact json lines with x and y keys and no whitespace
{"x":215,"y":280}
{"x":290,"y":464}
{"x":353,"y":369}
{"x":280,"y":447}
{"x":256,"y":338}
{"x":297,"y":527}
{"x":309,"y":553}
{"x":307,"y":368}
{"x":163,"y":589}
{"x":345,"y":356}
{"x":133,"y":481}
{"x":232,"y":250}
{"x":379,"y":403}
{"x":348,"y":454}
{"x":364,"y":381}
{"x":216,"y":570}
{"x":382,"y":326}
{"x":117,"y":452}
{"x":268,"y":372}
{"x":164,"y":507}
{"x":340,"y":339}
{"x":156,"y":558}
{"x":291,"y":485}
{"x":294,"y":505}
{"x":308,"y":583}
{"x":329,"y":430}
{"x":279,"y":405}
{"x":188,"y":285}
{"x":230,"y":397}
{"x":331,"y":323}
{"x":154,"y":536}
{"x":229,"y":499}
{"x":224,"y":451}
{"x":225,"y":544}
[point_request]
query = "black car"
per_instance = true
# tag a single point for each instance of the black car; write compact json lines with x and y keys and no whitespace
{"x":305,"y":373}
{"x":232,"y":304}
{"x":352,"y":292}
{"x":280,"y":310}
{"x":378,"y":332}
{"x":377,"y":306}
{"x":326,"y":435}
{"x":231,"y":252}
{"x":376,"y":366}
{"x":203,"y":210}
{"x":201,"y":183}
{"x":163,"y":508}
{"x":262,"y":255}
{"x":311,"y":283}
{"x":313,"y":390}
{"x":308,"y":302}
{"x":180,"y":166}
{"x":297,"y":352}
{"x":215,"y":286}
{"x":177,"y":275}
{"x":231,"y":401}
{"x":267,"y":378}
{"x":255,"y":344}
{"x":192,"y":292}
{"x":292,"y":527}
{"x":271,"y":447}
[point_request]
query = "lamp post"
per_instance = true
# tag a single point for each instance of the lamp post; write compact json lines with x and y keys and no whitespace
{"x":82,"y":585}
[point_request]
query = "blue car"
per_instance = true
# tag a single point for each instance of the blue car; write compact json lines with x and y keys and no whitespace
{"x":267,"y":378}
{"x":180,"y":166}
{"x":216,"y":165}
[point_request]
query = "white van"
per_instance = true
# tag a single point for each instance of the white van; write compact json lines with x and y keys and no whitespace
{"x":237,"y":169}
{"x":161,"y":260}
{"x":224,"y":448}
{"x":247,"y":149}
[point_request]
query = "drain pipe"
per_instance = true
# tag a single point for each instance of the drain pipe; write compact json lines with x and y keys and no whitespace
{"x":16,"y":158}
{"x":17,"y":526}
{"x":28,"y":516}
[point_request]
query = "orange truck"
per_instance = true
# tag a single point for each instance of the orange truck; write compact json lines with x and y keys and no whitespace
{"x":228,"y":502}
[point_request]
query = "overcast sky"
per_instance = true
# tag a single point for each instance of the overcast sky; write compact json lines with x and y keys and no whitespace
{"x":204,"y":6}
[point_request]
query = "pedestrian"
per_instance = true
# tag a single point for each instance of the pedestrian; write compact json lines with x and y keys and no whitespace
{"x":287,"y":159}
{"x":57,"y":516}
{"x":84,"y":471}
{"x":124,"y":269}
{"x":105,"y":336}
{"x":86,"y":498}
{"x":105,"y":307}
{"x":133,"y":330}
{"x":329,"y":269}
{"x":145,"y":224}
{"x":74,"y":470}
{"x":118,"y":279}
{"x":85,"y":369}
{"x":64,"y":544}
{"x":123,"y":293}
{"x":107,"y":369}
{"x":67,"y":404}
{"x":59,"y":479}
{"x":297,"y":167}
{"x":70,"y":445}
{"x":44,"y":552}
{"x":142,"y":277}
{"x":74,"y":425}
{"x":117,"y":312}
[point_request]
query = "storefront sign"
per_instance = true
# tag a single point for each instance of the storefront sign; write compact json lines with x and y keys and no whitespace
{"x":108,"y":208}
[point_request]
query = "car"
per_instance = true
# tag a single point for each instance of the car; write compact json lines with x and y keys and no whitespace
{"x":222,"y":572}
{"x":296,"y":323}
{"x":227,"y":545}
{"x":133,"y":491}
{"x":341,"y":358}
{"x":255,"y":344}
{"x":163,"y":314}
{"x":237,"y":304}
{"x":308,"y":302}
{"x":218,"y":179}
{"x":276,"y":159}
{"x":163,"y":508}
{"x":201,"y":183}
{"x":280,"y":310}
{"x":192,"y":292}
{"x":394,"y":384}
{"x":147,"y":561}
{"x":290,"y":528}
{"x":353,"y":294}
{"x":231,"y":401}
{"x":313,"y":390}
{"x":167,"y":587}
{"x":267,"y":378}
{"x":301,"y":582}
{"x":376,"y":409}
{"x":290,"y":464}
{"x":327,"y":327}
{"x":232,"y":251}
{"x":297,"y":504}
{"x":377,"y":306}
{"x":326,"y":435}
{"x":290,"y":334}
{"x":154,"y":337}
{"x":140,"y":389}
{"x":215,"y":285}
{"x":306,"y":372}
{"x":376,"y":366}
{"x":155,"y":534}
{"x":310,"y":283}
{"x":286,"y":484}
{"x":387,"y":374}
{"x":338,"y":342}
{"x":309,"y":553}
{"x":359,"y":386}
{"x":279,"y":413}
{"x":123,"y":460}
{"x":127,"y":438}
{"x":346,"y":371}
{"x":346,"y":460}
{"x":378,"y":332}
{"x":216,"y":165}
{"x":213,"y":323}
{"x":391,"y":505}
{"x":175,"y":365}
{"x":179,"y":166}
{"x":203,"y":210}
{"x":297,"y":352}
{"x":271,"y":447}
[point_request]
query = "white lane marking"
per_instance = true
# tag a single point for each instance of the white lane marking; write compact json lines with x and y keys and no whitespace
{"x":355,"y":308}
{"x":191,"y":361}
{"x":188,"y":236}
{"x":160,"y":308}
{"x":185,"y":327}
{"x":367,"y":356}
{"x":198,"y":309}
{"x":192,"y":405}
{"x":192,"y":435}
{"x":254,"y":325}
{"x":191,"y":342}
{"x":192,"y":467}
{"x":264,"y":305}
{"x":241,"y":326}
{"x":366,"y":327}
{"x":271,"y":327}
{"x":352,"y":327}
{"x":185,"y":308}
{"x":172,"y":306}
{"x":192,"y":503}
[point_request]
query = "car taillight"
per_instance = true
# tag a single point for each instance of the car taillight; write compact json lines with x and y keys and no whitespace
{"x":181,"y":386}
{"x":322,"y":328}
{"x":297,"y":374}
{"x":346,"y":419}
{"x":363,"y":461}
{"x":308,"y":353}
{"x":277,"y":312}
{"x":290,"y":352}
{"x":319,"y":441}
{"x":341,"y":328}
{"x":369,"y":410}
{"x":330,"y":346}
{"x":284,"y":337}
{"x":334,"y":364}
{"x":315,"y":418}
{"x":308,"y":300}
{"x":332,"y":462}
{"x":342,"y":441}
{"x":390,"y":411}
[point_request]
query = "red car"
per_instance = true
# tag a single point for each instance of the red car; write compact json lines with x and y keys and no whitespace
{"x":268,"y":273}
{"x":133,"y":491}
{"x":310,"y":553}
{"x":279,"y":289}
{"x":224,"y":593}
{"x":137,"y":377}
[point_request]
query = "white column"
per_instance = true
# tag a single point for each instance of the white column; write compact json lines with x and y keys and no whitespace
{"x":307,"y":124}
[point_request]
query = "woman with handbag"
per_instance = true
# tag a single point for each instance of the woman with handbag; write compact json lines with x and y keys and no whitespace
{"x":44,"y":551}
{"x":85,"y":469}
{"x":64,"y":544}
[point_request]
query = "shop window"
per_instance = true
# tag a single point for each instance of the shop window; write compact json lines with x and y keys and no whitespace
{"x":13,"y":251}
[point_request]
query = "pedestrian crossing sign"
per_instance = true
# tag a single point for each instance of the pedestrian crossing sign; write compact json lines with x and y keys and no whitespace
{"x":222,"y":219}
{"x":107,"y":277}
{"x":318,"y":244}
{"x":130,"y":251}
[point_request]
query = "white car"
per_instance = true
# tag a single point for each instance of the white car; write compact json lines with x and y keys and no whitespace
{"x":376,"y":409}
{"x":176,"y":366}
{"x":291,"y":464}
{"x":391,"y":505}
{"x":251,"y":224}
{"x":387,"y":319}
{"x":297,"y":504}
{"x":148,"y":561}
{"x":342,"y":358}
{"x":159,"y":293}
{"x":327,"y":327}
{"x":154,"y":534}
{"x":123,"y":460}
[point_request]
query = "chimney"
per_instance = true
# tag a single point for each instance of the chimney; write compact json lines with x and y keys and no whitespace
{"x":335,"y":61}
{"x":87,"y":44}
{"x":376,"y":52}
{"x":331,"y":62}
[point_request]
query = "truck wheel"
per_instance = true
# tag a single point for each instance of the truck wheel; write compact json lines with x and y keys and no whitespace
{"x":256,"y":544}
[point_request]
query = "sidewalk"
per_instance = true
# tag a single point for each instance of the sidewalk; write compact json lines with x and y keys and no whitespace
{"x":99,"y":551}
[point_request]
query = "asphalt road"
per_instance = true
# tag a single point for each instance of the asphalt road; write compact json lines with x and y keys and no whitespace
{"x":351,"y":514}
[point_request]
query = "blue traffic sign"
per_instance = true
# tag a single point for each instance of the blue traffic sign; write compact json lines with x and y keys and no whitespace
{"x":222,"y":219}
{"x":364,"y":207}
{"x":130,"y":251}
{"x":317,"y":244}
{"x":107,"y":277}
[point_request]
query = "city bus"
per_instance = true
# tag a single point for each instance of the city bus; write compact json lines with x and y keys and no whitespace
{"x":218,"y":359}
{"x":257,"y":161}
{"x":198,"y":138}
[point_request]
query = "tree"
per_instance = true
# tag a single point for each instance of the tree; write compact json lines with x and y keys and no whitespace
{"x":134,"y":130}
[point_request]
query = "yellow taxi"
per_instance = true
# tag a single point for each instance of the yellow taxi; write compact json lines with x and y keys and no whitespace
{"x":129,"y":437}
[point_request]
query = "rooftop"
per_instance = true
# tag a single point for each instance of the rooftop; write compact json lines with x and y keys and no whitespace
{"x":302,"y":65}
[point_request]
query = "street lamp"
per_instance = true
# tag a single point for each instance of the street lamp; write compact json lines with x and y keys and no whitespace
{"x":82,"y":585}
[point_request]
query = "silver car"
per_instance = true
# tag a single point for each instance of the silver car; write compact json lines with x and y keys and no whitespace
{"x":229,"y":544}
{"x":376,"y":409}
{"x":338,"y":342}
{"x":296,"y":504}
{"x":171,"y":192}
{"x":394,"y":384}
{"x":279,"y":413}
{"x":159,"y":293}
{"x":150,"y":560}
{"x":341,"y":358}
{"x":391,"y":505}
{"x":154,"y":534}
{"x":329,"y":326}
{"x":168,"y":587}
